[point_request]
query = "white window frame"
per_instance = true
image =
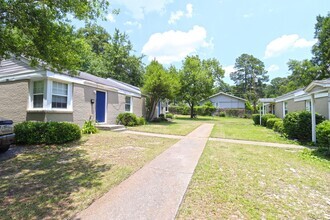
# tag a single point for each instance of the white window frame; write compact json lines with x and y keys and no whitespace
{"x":47,"y":100}
{"x":285,"y":108}
{"x":131,"y":103}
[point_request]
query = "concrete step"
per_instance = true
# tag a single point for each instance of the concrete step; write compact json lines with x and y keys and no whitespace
{"x":109,"y":127}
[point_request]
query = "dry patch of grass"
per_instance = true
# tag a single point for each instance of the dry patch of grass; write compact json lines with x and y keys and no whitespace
{"x":58,"y":181}
{"x":251,"y":182}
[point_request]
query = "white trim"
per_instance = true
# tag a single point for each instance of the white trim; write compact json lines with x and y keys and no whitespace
{"x":106,"y":106}
{"x":313,"y":119}
{"x":131,"y":104}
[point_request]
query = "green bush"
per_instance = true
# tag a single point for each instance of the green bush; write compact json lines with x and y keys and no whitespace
{"x":256,"y":119}
{"x":179,"y":110}
{"x":127,"y":119}
{"x":233,"y":112}
{"x":31,"y":132}
{"x":222,"y":114}
{"x":270,"y":122}
{"x":169,"y":115}
{"x":323,"y":134}
{"x":265,"y":118}
{"x":141,"y":121}
{"x":298,"y":125}
{"x":278,"y":126}
{"x":89,"y":127}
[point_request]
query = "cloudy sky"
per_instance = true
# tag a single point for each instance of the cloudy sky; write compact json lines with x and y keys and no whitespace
{"x":169,"y":30}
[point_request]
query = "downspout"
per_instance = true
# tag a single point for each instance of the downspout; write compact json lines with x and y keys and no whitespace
{"x":313,"y":118}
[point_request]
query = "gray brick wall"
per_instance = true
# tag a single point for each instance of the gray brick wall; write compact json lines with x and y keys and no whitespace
{"x":14,"y":100}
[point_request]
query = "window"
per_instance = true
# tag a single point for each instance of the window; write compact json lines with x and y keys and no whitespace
{"x":38,"y":94}
{"x":308,"y":106}
{"x":128,"y":104}
{"x":59,"y":95}
{"x":285,"y":108}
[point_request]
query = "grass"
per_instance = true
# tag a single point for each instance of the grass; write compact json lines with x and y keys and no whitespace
{"x":175,"y":127}
{"x":244,"y":129}
{"x":251,"y":182}
{"x":59,"y":181}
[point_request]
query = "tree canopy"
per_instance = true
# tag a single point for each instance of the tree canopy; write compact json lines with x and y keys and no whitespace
{"x":197,"y":79}
{"x":41,"y":30}
{"x":159,"y":84}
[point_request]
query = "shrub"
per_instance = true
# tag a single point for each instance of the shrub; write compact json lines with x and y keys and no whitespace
{"x":141,"y":121}
{"x":169,"y":115}
{"x":222,"y":114}
{"x":298,"y":125}
{"x":233,"y":112}
{"x":323,"y":134}
{"x":89,"y":127}
{"x":180,"y":110}
{"x":256,"y":119}
{"x":278,"y":126}
{"x":265,"y":118}
{"x":205,"y":110}
{"x":162,"y":116}
{"x":127,"y":119}
{"x":31,"y":132}
{"x":270,"y":122}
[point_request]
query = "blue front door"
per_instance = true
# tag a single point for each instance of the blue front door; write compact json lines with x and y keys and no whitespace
{"x":100,"y":106}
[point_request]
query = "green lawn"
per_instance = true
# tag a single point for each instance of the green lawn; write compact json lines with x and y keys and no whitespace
{"x":44,"y":182}
{"x":244,"y":129}
{"x":251,"y":182}
{"x":175,"y":127}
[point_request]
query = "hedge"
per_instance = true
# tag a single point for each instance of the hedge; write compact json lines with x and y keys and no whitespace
{"x":234,"y":112}
{"x":203,"y":110}
{"x":31,"y":132}
{"x":271,"y":121}
{"x":278,"y":126}
{"x":323,"y":134}
{"x":298,"y":125}
{"x":256,"y":119}
{"x":265,"y":118}
{"x":179,"y":110}
{"x":129,"y":119}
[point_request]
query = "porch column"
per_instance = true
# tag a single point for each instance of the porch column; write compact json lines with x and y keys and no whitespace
{"x":313,"y":118}
{"x":329,"y":104}
{"x":260,"y":115}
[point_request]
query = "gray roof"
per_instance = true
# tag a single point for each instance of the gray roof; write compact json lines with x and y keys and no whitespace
{"x":14,"y":66}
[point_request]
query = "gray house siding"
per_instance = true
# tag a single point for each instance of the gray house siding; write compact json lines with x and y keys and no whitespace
{"x":14,"y":100}
{"x":296,"y":106}
{"x":226,"y":102}
{"x":279,"y":109}
{"x":321,"y":106}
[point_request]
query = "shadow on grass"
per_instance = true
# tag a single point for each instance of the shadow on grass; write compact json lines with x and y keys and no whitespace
{"x":39,"y":182}
{"x":322,"y":153}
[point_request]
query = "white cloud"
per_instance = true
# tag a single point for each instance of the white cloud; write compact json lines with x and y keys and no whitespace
{"x":286,"y":42}
{"x":229,"y":69}
{"x":273,"y":68}
{"x":174,"y":46}
{"x":175,"y":16}
{"x":139,"y":8}
{"x":133,"y":24}
{"x":111,"y":18}
{"x":189,"y":8}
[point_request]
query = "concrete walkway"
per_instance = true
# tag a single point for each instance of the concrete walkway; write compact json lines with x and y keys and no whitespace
{"x":157,"y":189}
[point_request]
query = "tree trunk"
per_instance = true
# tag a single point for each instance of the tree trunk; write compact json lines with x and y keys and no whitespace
{"x":153,"y":104}
{"x":192,"y":111}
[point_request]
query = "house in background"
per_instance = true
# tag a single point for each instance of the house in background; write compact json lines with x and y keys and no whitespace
{"x":33,"y":93}
{"x":223,"y":100}
{"x":314,"y":98}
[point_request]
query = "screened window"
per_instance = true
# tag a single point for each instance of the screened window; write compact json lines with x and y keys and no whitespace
{"x":128,"y":104}
{"x":38,"y":94}
{"x":285,"y":108}
{"x":59,"y":95}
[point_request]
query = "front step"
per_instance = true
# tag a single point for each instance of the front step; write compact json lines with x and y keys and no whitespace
{"x":110,"y":127}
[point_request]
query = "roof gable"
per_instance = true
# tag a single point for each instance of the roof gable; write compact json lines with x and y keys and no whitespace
{"x":226,"y":94}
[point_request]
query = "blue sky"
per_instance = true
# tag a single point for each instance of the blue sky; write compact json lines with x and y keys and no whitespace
{"x":274,"y":31}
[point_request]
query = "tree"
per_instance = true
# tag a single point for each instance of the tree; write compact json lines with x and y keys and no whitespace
{"x":321,"y":49}
{"x":197,"y":80}
{"x":40,"y":30}
{"x":250,"y":77}
{"x":303,"y":72}
{"x":112,"y":56}
{"x":276,"y":87}
{"x":158,"y":84}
